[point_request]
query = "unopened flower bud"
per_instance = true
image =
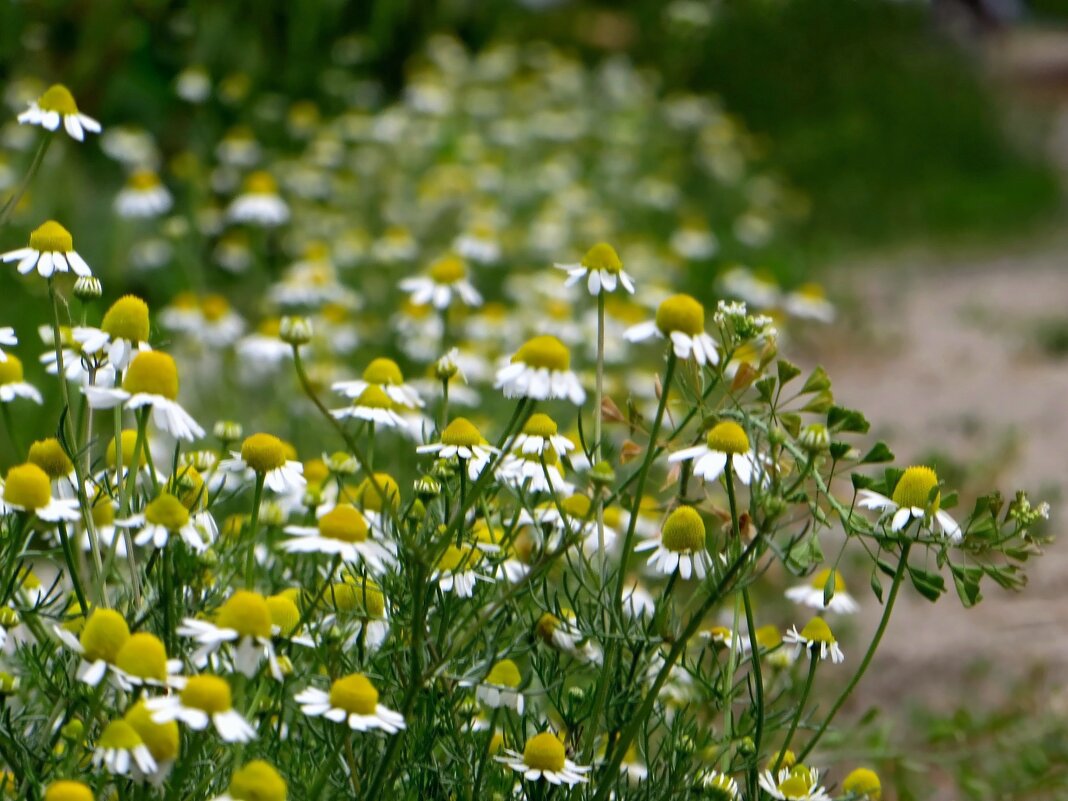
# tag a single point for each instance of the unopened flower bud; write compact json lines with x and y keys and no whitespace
{"x":815,"y":438}
{"x":87,"y":288}
{"x":295,"y":330}
{"x":228,"y":431}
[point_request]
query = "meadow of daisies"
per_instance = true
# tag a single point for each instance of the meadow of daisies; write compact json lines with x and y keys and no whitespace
{"x":405,"y":448}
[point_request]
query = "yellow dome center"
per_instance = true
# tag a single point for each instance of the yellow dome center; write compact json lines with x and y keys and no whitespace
{"x":120,"y":735}
{"x":257,"y":781}
{"x":161,"y":738}
{"x":355,"y":694}
{"x":344,"y":522}
{"x":11,"y":370}
{"x":546,"y":626}
{"x":284,"y":614}
{"x":371,"y":498}
{"x":383,"y":371}
{"x":261,"y":183}
{"x":129,"y":442}
{"x":865,"y":783}
{"x":167,"y":511}
{"x":51,"y":237}
{"x":214,"y":308}
{"x":58,"y":98}
{"x":461,"y":432}
{"x":680,"y":313}
{"x":544,"y":352}
{"x":794,"y":788}
{"x":459,"y":559}
{"x":728,"y":437}
{"x":263,"y":452}
{"x":683,"y":531}
{"x":363,"y":598}
{"x":49,"y":455}
{"x":544,"y":752}
{"x":104,"y":635}
{"x":144,"y":656}
{"x":27,"y":486}
{"x":68,"y":791}
{"x":504,"y":674}
{"x":819,"y":581}
{"x":817,"y":630}
{"x":374,"y":397}
{"x":127,"y":319}
{"x":152,"y":373}
{"x":207,"y":693}
{"x":540,"y":425}
{"x":602,"y":256}
{"x":246,"y":613}
{"x":914,"y":488}
{"x":448,"y":270}
{"x":577,"y":506}
{"x":103,"y":512}
{"x":143,"y":180}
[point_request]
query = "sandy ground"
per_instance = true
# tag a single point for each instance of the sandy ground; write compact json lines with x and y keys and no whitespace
{"x":947,"y":354}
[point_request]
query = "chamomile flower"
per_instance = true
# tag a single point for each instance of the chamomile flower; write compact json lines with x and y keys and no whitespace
{"x":373,"y":405}
{"x":151,"y":380}
{"x":123,"y":332}
{"x":638,"y":602}
{"x":162,"y":739}
{"x":204,"y":700}
{"x":769,"y":643}
{"x":341,"y":532}
{"x":500,"y":687}
{"x":259,"y":202}
{"x":915,"y":497}
{"x":563,"y":635}
{"x":51,"y":250}
{"x":718,"y":786}
{"x":352,"y":700}
{"x":362,"y":601}
{"x":244,"y":622}
{"x":121,"y":751}
{"x":265,"y":455}
{"x":142,"y":660}
{"x":544,"y":758}
{"x":27,"y":488}
{"x":461,"y":440}
{"x":798,"y":783}
{"x":144,"y":196}
{"x":13,"y":384}
{"x":680,"y":546}
{"x":102,"y":637}
{"x":817,"y":637}
{"x":8,"y":338}
{"x":814,"y":592}
{"x":725,"y":440}
{"x":165,"y":516}
{"x":602,"y":269}
{"x":456,"y":571}
{"x":256,"y":781}
{"x":386,"y":374}
{"x":540,"y":434}
{"x":49,"y":455}
{"x":541,"y":369}
{"x":681,"y":319}
{"x":808,"y":302}
{"x":67,"y":790}
{"x":863,"y":783}
{"x":446,"y":279}
{"x":526,"y":471}
{"x":57,"y":105}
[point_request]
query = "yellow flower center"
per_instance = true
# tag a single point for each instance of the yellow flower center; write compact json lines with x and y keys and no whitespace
{"x":577,"y":506}
{"x":544,"y":752}
{"x":683,"y":531}
{"x":374,"y":397}
{"x":768,"y":637}
{"x":817,"y":630}
{"x":119,"y":735}
{"x":316,"y":471}
{"x":207,"y":693}
{"x":261,"y":183}
{"x":504,"y":674}
{"x":127,"y":319}
{"x":104,"y":635}
{"x":344,"y":522}
{"x":214,"y":308}
{"x":161,"y":738}
{"x":461,"y":432}
{"x":448,"y":270}
{"x":152,"y":373}
{"x":167,"y":511}
{"x":257,"y":781}
{"x":371,"y":498}
{"x":795,"y":787}
{"x":361,"y":597}
{"x":355,"y":694}
{"x":383,"y":371}
{"x":544,"y":351}
{"x":819,"y":581}
{"x":680,"y":313}
{"x":602,"y":256}
{"x":284,"y":614}
{"x":143,"y":180}
{"x":864,"y":782}
{"x":11,"y":370}
{"x":144,"y":656}
{"x":540,"y":425}
{"x":263,"y":452}
{"x":913,"y":489}
{"x":547,"y":625}
{"x":728,"y":437}
{"x":246,"y":613}
{"x":49,"y":455}
{"x":50,"y":237}
{"x":129,"y":442}
{"x":28,"y":487}
{"x":58,"y":98}
{"x":103,"y":512}
{"x":459,"y":559}
{"x":190,"y":487}
{"x":68,"y":790}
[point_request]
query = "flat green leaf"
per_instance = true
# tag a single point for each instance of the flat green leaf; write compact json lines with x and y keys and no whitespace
{"x":818,"y":381}
{"x":840,"y":418}
{"x":787,"y":371}
{"x":929,"y":585}
{"x":879,"y":454}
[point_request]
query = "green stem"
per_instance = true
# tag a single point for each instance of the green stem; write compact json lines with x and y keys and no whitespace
{"x":254,"y":519}
{"x":902,"y":565}
{"x":12,"y":202}
{"x":758,"y":685}
{"x":127,"y":534}
{"x":68,"y":555}
{"x":16,"y":444}
{"x":813,"y":660}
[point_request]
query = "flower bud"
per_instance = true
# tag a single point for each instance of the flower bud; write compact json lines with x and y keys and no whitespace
{"x":295,"y":330}
{"x":87,"y":288}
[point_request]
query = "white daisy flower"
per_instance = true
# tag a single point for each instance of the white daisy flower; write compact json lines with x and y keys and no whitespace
{"x":455,"y":570}
{"x":12,"y":383}
{"x":540,"y":369}
{"x":265,"y":454}
{"x":915,"y":497}
{"x":244,"y":621}
{"x":526,"y":472}
{"x":386,"y":374}
{"x":143,"y":196}
{"x":121,"y":751}
{"x":500,"y":687}
{"x":257,"y":781}
{"x":27,"y":488}
{"x":56,"y":105}
{"x":352,"y":700}
{"x":540,"y":434}
{"x":798,"y":783}
{"x":363,"y":602}
{"x":813,"y":593}
{"x":480,"y":244}
{"x":544,"y":758}
{"x":373,"y":405}
{"x":680,"y":546}
{"x":461,"y":440}
{"x":103,"y":635}
{"x":164,"y":516}
{"x":681,"y":319}
{"x":725,"y":440}
{"x":816,"y":636}
{"x":151,"y":380}
{"x":563,"y":635}
{"x":342,"y":532}
{"x":259,"y":203}
{"x":142,"y":660}
{"x":808,"y":302}
{"x":447,"y":278}
{"x":602,"y":269}
{"x":204,"y":700}
{"x":51,"y":250}
{"x":720,"y":786}
{"x":638,"y":602}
